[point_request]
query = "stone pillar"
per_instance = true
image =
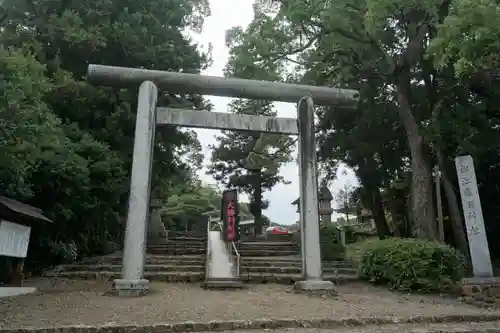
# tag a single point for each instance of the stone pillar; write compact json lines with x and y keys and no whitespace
{"x":157,"y":234}
{"x":325,"y":198}
{"x":309,"y":214}
{"x":343,"y":240}
{"x":132,"y":282}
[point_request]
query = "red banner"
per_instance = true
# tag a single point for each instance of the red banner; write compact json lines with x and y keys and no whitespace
{"x":229,"y":214}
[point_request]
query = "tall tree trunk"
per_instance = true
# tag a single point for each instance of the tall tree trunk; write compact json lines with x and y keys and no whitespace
{"x":398,"y":206}
{"x":378,"y":214}
{"x":373,"y":199}
{"x":370,"y":181}
{"x":422,"y":205}
{"x":453,"y":207}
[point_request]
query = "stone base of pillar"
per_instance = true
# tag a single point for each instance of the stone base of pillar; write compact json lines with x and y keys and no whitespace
{"x":314,"y":286}
{"x":130,"y":288}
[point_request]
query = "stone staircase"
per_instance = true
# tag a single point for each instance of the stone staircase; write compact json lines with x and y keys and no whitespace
{"x":287,"y":270}
{"x":181,"y":243}
{"x":182,"y":259}
{"x":167,"y":268}
{"x":191,"y":268}
{"x":179,"y":246}
{"x":267,"y":248}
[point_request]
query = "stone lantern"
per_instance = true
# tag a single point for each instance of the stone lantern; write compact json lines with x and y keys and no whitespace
{"x":325,"y":198}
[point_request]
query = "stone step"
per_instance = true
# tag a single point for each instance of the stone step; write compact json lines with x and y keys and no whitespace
{"x":158,"y":259}
{"x":269,"y":253}
{"x":279,"y":278}
{"x":188,"y":234}
{"x":223,"y":283}
{"x":179,"y":251}
{"x":295,"y":263}
{"x":179,"y":246}
{"x":268,"y":248}
{"x":283,"y":278}
{"x":200,"y":261}
{"x":187,"y":238}
{"x":244,"y":269}
{"x":149,"y":268}
{"x":292,"y":270}
{"x":179,"y":243}
{"x":152,"y":276}
{"x":150,"y":259}
{"x":266,"y":243}
{"x":269,"y":238}
{"x":118,"y":261}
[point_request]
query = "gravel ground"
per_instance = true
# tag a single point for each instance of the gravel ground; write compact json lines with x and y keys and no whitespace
{"x":68,"y":302}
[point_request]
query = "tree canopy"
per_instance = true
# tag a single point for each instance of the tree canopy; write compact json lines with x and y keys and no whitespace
{"x":66,"y":146}
{"x":427,"y":73}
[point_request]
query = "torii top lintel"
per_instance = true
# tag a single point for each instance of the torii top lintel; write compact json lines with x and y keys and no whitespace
{"x":221,"y":86}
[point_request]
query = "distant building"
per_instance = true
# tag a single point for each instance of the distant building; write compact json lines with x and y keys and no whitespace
{"x":247,"y":227}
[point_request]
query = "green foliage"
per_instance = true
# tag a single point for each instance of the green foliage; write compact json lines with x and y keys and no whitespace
{"x":66,"y":146}
{"x":411,"y":265}
{"x":243,"y":160}
{"x":187,"y":203}
{"x":250,"y":162}
{"x":428,"y":77}
{"x":402,"y":57}
{"x":469,"y":37}
{"x":51,"y":165}
{"x":27,"y":126}
{"x":354,"y":252}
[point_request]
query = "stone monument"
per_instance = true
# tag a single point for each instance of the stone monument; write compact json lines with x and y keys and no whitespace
{"x":483,"y":284}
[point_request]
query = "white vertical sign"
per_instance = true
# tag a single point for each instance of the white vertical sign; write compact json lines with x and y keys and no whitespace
{"x":14,"y":239}
{"x":473,"y":214}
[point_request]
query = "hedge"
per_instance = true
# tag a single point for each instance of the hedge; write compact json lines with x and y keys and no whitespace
{"x":406,"y":264}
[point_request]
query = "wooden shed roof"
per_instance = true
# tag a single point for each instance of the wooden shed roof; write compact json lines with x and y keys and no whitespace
{"x":19,"y":212}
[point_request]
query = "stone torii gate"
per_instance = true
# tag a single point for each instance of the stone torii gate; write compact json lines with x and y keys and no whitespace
{"x":132,"y":282}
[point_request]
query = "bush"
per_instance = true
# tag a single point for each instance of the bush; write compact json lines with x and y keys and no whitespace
{"x":355,"y":251}
{"x":411,"y":265}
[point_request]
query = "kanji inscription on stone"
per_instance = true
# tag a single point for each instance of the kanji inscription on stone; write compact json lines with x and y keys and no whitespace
{"x":473,"y":214}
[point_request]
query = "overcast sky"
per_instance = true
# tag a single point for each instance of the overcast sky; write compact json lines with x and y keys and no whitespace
{"x":225,"y":15}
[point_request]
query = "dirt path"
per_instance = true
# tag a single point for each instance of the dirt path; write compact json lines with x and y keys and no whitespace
{"x":66,"y":302}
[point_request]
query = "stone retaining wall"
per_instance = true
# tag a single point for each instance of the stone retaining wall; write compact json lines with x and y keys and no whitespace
{"x":265,"y":324}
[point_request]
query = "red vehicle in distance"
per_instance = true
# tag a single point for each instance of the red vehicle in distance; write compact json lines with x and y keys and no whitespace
{"x":277,"y":231}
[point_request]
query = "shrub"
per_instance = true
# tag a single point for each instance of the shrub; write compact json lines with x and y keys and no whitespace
{"x":355,"y":251}
{"x":411,"y":265}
